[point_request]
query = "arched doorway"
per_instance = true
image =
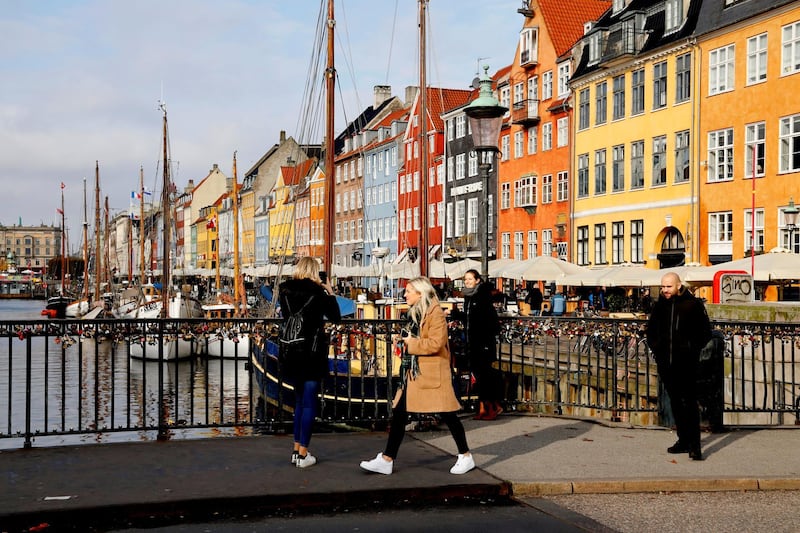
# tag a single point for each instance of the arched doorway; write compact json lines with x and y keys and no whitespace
{"x":673,"y":249}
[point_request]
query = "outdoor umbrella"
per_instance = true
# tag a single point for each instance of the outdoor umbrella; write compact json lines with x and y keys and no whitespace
{"x":621,"y":275}
{"x":456,"y":270}
{"x":776,"y":265}
{"x":541,"y":268}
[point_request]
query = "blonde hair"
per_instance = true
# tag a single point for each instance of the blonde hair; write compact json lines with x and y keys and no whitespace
{"x":307,"y":268}
{"x":427,"y":298}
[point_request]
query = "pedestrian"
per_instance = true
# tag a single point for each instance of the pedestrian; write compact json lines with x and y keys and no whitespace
{"x":677,"y":330}
{"x":306,"y":293}
{"x":534,"y":300}
{"x":481,"y":327}
{"x":426,"y":383}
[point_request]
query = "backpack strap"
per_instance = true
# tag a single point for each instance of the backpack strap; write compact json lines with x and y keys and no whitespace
{"x":301,"y":309}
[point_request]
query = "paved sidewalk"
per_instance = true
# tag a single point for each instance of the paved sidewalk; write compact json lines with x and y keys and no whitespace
{"x":145,"y":483}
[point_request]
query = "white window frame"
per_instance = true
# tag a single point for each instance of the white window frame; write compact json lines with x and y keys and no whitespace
{"x":790,"y":49}
{"x":562,"y":125}
{"x":789,"y":142}
{"x":757,"y":59}
{"x":720,"y":155}
{"x":721,"y":69}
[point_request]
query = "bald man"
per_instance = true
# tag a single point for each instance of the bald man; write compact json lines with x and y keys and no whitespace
{"x":677,"y":330}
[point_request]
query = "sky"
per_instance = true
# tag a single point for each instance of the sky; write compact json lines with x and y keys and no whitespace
{"x":82,"y":81}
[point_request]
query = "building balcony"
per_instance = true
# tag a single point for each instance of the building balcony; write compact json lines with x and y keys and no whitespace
{"x":525,"y":112}
{"x":528,"y":58}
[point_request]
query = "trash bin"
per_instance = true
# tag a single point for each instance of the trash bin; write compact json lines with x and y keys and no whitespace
{"x":558,"y":304}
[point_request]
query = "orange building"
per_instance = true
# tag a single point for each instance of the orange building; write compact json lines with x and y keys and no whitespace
{"x":535,"y":142}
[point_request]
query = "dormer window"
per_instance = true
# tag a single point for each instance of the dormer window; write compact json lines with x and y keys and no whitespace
{"x":673,"y":15}
{"x":617,"y":6}
{"x":594,"y":47}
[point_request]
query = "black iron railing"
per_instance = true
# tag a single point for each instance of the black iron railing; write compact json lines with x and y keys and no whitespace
{"x":104,"y":380}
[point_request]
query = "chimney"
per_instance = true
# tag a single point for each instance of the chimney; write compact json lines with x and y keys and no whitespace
{"x":382,"y":93}
{"x":283,"y":136}
{"x":411,"y":93}
{"x":215,"y":168}
{"x":189,"y":187}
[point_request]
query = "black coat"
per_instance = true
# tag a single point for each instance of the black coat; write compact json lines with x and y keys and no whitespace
{"x":677,"y":330}
{"x":293,"y":294}
{"x":480,"y":324}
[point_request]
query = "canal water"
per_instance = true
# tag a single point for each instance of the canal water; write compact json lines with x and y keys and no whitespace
{"x":79,"y":384}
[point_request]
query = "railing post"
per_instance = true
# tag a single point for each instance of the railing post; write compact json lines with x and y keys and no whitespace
{"x":28,"y":376}
{"x":163,"y":431}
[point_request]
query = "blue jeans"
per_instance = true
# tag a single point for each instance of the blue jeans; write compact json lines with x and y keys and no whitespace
{"x":305,"y":411}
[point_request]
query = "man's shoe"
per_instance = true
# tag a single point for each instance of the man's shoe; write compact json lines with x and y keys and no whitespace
{"x":305,"y":462}
{"x":695,"y":454}
{"x":379,"y":465}
{"x":464,"y":464}
{"x":678,"y":447}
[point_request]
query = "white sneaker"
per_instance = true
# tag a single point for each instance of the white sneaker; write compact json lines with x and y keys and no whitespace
{"x":308,"y":460}
{"x":379,"y":465}
{"x":464,"y":464}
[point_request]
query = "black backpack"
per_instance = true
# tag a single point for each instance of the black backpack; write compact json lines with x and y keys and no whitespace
{"x":295,"y":339}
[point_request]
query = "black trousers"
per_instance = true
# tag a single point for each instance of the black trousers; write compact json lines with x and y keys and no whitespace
{"x":397,"y":429}
{"x":681,"y":386}
{"x":488,"y":379}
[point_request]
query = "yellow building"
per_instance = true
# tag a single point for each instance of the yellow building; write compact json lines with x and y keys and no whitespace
{"x":749,"y":72}
{"x":282,"y":207}
{"x":635,"y":181}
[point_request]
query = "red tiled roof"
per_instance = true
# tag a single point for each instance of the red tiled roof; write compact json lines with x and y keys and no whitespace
{"x":441,"y":100}
{"x":293,"y":175}
{"x":565,"y":20}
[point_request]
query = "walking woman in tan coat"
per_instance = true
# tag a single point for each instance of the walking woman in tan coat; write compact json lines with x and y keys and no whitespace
{"x":426,"y":379}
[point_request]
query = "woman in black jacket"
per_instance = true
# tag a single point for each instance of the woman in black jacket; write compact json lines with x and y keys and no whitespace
{"x":307,"y":294}
{"x":481,"y":326}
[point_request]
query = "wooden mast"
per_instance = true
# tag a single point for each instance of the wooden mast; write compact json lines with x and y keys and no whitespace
{"x":85,"y":288}
{"x":237,"y":292}
{"x":423,"y":145}
{"x":97,"y":255}
{"x":330,"y":84}
{"x":165,"y":214}
{"x":141,"y":227}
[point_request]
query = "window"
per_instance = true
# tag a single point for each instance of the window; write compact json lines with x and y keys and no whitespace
{"x":637,"y":164}
{"x":789,"y":142}
{"x":519,"y":92}
{"x":564,"y":71}
{"x":720,"y":155}
{"x":673,"y":15}
{"x":431,"y":215}
{"x":617,"y":242}
{"x":619,"y":97}
{"x":460,"y":166}
{"x":528,"y":46}
{"x":533,"y":241}
{"x":583,"y":175}
{"x":472,"y":163}
{"x":562,"y":185}
{"x":461,"y":128}
{"x":790,"y":49}
{"x":720,"y":231}
{"x":755,"y":144}
{"x":757,"y":59}
{"x":416,"y":218}
{"x":637,"y":92}
{"x":601,"y":103}
{"x":525,"y":191}
{"x":660,"y":85}
{"x":600,"y":244}
{"x":519,"y":244}
{"x":563,"y":131}
{"x":505,"y":245}
{"x":683,"y":77}
{"x":637,"y":241}
{"x":547,"y":85}
{"x":618,"y":168}
{"x":451,"y":171}
{"x":518,"y":144}
{"x":750,"y":244}
{"x":532,"y":134}
{"x":504,"y":147}
{"x":533,"y":88}
{"x":600,"y":181}
{"x":660,"y":160}
{"x":505,"y":195}
{"x":472,"y":215}
{"x":594,"y":47}
{"x":547,"y":136}
{"x":449,"y":226}
{"x":582,"y":252}
{"x":720,"y":70}
{"x":583,"y":109}
{"x":547,"y":189}
{"x":450,"y":128}
{"x":461,"y":217}
{"x":505,"y":97}
{"x":682,"y":168}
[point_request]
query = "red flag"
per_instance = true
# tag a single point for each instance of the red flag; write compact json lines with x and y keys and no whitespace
{"x":59,"y":211}
{"x":211,"y":224}
{"x":62,"y":185}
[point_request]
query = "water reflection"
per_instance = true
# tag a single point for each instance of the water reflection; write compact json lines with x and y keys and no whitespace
{"x":82,"y":383}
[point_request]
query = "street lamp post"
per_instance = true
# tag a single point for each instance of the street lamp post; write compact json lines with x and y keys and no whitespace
{"x":485,"y":120}
{"x":790,"y":213}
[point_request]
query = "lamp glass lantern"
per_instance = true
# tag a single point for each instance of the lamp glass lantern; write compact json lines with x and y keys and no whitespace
{"x":790,"y":215}
{"x":485,"y":120}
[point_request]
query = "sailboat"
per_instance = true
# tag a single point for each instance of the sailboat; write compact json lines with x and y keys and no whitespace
{"x":57,"y":305}
{"x":158,"y":301}
{"x":228,"y":338}
{"x":78,"y":308}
